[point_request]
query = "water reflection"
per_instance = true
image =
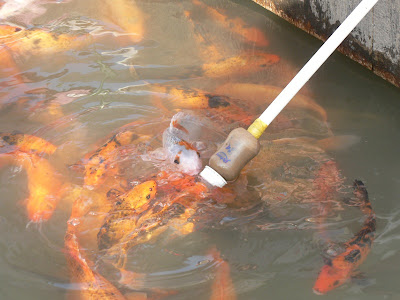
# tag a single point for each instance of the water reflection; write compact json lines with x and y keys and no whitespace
{"x":134,"y":66}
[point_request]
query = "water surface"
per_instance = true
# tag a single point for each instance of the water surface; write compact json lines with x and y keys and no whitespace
{"x":110,"y":82}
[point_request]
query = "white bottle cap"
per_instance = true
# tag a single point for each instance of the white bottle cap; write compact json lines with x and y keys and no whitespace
{"x":213,"y":177}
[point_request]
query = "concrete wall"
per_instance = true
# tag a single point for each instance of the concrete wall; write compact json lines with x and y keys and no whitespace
{"x":375,"y":42}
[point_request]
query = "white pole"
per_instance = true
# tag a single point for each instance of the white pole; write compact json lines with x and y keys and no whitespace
{"x":316,"y":61}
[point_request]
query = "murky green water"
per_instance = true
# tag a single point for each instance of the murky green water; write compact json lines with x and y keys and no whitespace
{"x":79,"y":97}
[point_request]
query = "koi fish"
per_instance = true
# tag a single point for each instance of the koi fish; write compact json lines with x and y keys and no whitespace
{"x":7,"y":63}
{"x":222,"y":288}
{"x":44,"y":185}
{"x":236,"y":25}
{"x":25,"y":143}
{"x":120,"y":220}
{"x":8,"y":30}
{"x":189,"y":98}
{"x":90,"y":284}
{"x":179,"y":151}
{"x":137,"y":217}
{"x":339,"y":269}
{"x":99,"y":163}
{"x":266,"y":94}
{"x":242,"y":64}
{"x":218,"y":65}
{"x":218,"y":106}
{"x":22,"y":44}
{"x":126,"y":15}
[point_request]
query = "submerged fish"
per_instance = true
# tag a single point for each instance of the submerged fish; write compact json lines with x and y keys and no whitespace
{"x":122,"y":218}
{"x":218,"y":63}
{"x":90,"y":284}
{"x":25,"y":143}
{"x":236,"y":25}
{"x":339,"y":269}
{"x":265,"y":94}
{"x":126,"y":15}
{"x":23,"y":44}
{"x":100,"y":163}
{"x":44,"y":183}
{"x":45,"y":186}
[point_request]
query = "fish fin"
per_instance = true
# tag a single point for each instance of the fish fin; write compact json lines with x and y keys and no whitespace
{"x":360,"y":279}
{"x":77,"y":167}
{"x":357,"y":275}
{"x":131,"y":279}
{"x":222,"y":287}
{"x":338,"y":143}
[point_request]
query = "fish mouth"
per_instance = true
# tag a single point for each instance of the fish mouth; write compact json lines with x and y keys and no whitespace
{"x":318,"y":292}
{"x":192,"y":172}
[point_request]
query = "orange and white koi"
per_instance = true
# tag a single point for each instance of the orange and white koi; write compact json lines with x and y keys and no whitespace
{"x":179,"y":150}
{"x":339,"y":269}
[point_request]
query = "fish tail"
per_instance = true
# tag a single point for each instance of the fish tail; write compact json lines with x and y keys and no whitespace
{"x":361,"y":194}
{"x":222,"y":287}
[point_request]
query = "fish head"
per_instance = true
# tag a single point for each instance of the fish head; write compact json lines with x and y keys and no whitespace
{"x":6,"y":30}
{"x":187,"y":158}
{"x":330,"y":277}
{"x":181,"y":153}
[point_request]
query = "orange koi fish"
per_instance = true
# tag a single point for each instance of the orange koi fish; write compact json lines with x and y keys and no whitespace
{"x":190,"y":98}
{"x":218,"y":65}
{"x":236,"y":25}
{"x":8,"y":66}
{"x":339,"y":269}
{"x":242,"y":64}
{"x":25,"y":143}
{"x":120,"y":220}
{"x":44,"y":185}
{"x":90,"y":284}
{"x":266,"y":94}
{"x":222,"y":288}
{"x":22,"y":44}
{"x":168,"y":97}
{"x":137,"y":218}
{"x":126,"y":15}
{"x":99,"y":163}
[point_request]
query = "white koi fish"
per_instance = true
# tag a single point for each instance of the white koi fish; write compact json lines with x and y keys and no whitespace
{"x":179,"y":150}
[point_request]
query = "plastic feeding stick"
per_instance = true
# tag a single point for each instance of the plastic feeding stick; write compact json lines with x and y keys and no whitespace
{"x":242,"y":145}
